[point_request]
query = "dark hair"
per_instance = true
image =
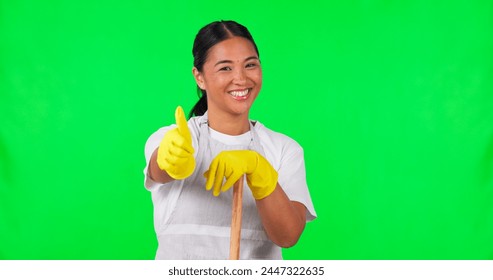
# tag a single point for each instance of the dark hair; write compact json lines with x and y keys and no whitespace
{"x":208,"y":36}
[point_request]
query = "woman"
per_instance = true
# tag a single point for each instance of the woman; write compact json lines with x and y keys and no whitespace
{"x":217,"y":146}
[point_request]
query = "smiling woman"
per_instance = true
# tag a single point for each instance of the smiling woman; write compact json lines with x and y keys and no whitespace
{"x":232,"y":84}
{"x":213,"y":150}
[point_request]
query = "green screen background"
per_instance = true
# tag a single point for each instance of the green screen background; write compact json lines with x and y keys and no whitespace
{"x":391,"y":100}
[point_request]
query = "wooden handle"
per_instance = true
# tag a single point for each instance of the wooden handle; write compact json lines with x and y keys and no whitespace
{"x":234,"y":243}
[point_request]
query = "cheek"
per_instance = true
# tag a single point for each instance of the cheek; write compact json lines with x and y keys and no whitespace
{"x":213,"y":82}
{"x":257,"y":77}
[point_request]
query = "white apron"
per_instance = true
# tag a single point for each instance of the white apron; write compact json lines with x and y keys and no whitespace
{"x":197,"y":224}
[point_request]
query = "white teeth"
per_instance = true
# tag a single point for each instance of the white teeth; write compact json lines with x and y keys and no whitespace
{"x":239,"y":93}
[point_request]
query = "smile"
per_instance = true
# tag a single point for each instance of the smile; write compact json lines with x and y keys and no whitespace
{"x":240,"y":94}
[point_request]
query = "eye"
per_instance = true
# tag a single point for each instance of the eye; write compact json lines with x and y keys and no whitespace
{"x":251,"y":65}
{"x":225,"y":68}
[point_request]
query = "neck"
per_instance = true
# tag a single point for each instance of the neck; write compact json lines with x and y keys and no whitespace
{"x":229,"y":124}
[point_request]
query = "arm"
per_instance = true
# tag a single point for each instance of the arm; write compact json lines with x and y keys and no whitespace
{"x":283,"y":220}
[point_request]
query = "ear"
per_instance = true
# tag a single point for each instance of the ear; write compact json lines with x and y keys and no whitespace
{"x":199,"y":78}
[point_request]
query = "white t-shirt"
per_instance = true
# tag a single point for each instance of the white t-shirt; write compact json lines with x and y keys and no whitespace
{"x":191,"y":223}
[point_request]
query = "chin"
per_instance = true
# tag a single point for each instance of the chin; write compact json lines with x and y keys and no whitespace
{"x":243,"y":108}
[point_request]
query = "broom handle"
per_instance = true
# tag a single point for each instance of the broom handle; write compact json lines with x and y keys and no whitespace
{"x":234,"y":245}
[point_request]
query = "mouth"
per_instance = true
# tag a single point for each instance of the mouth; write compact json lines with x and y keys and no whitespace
{"x":240,"y":94}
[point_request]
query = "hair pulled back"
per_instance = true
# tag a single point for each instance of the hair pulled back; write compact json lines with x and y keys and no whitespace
{"x":208,"y":36}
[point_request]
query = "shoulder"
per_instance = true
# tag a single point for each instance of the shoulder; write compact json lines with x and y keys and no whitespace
{"x":194,"y":124}
{"x":274,"y":140}
{"x":274,"y":136}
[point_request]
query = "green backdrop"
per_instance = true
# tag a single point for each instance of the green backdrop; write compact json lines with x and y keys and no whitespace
{"x":391,"y":100}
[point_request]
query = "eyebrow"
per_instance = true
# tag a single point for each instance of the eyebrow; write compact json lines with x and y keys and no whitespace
{"x":230,"y":61}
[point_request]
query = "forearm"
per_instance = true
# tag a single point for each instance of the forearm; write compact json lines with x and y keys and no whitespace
{"x":283,"y":220}
{"x":155,"y":172}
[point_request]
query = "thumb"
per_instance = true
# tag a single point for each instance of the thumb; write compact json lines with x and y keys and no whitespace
{"x":181,"y":122}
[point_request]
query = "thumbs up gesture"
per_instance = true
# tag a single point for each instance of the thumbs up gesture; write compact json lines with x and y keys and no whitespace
{"x":175,"y":153}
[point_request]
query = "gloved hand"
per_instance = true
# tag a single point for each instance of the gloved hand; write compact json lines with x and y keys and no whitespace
{"x":261,"y":176}
{"x":175,"y":153}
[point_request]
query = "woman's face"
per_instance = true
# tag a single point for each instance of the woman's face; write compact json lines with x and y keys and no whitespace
{"x":231,"y":76}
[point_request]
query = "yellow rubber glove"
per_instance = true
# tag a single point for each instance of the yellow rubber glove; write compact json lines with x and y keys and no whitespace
{"x":261,"y":176}
{"x":175,"y":153}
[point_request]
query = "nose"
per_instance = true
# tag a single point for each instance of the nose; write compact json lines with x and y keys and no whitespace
{"x":239,"y":76}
